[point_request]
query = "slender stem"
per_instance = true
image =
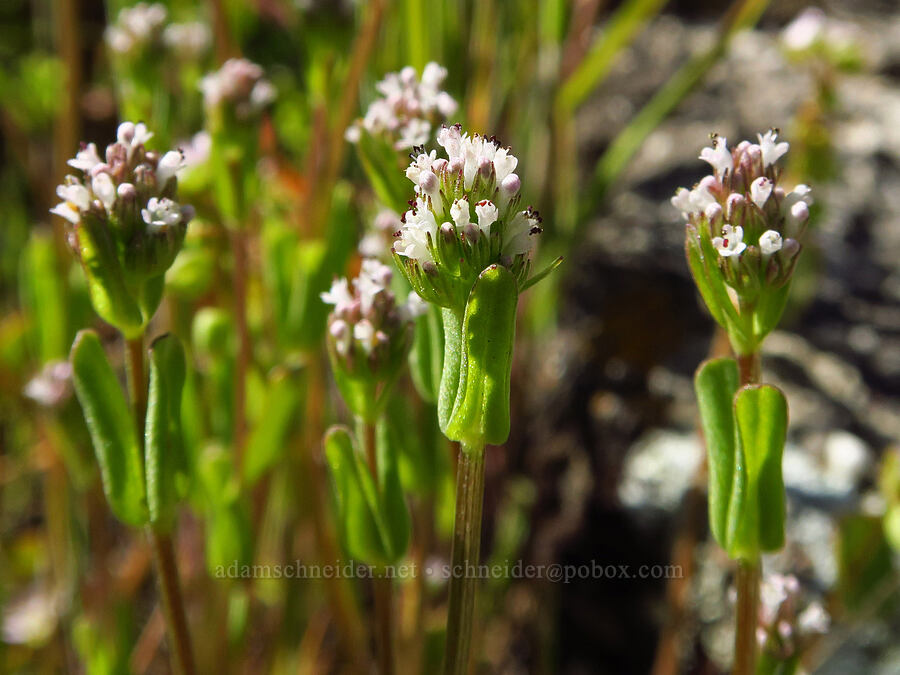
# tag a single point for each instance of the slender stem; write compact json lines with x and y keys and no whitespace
{"x":239,"y":248}
{"x":173,"y":604}
{"x":382,"y":594}
{"x":748,"y":572}
{"x":464,"y":558}
{"x":747,"y":581}
{"x":164,"y":552}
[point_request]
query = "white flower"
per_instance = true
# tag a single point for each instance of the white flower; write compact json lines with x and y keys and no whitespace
{"x":731,"y":242}
{"x":74,"y":193}
{"x":487,"y":215}
{"x":105,"y":190}
{"x":133,"y":135}
{"x":338,"y":295}
{"x":718,"y":156}
{"x":760,"y":189}
{"x":364,"y":333}
{"x":805,"y":30}
{"x":340,"y":331}
{"x":421,"y":163}
{"x":770,"y":242}
{"x":701,"y":197}
{"x":504,"y":164}
{"x":459,"y":211}
{"x":813,"y":619}
{"x":374,"y":278}
{"x":682,"y":201}
{"x":518,"y":232}
{"x":30,"y":619}
{"x":168,"y":164}
{"x":196,"y":151}
{"x":413,"y":242}
{"x":86,"y":158}
{"x":119,"y":40}
{"x":771,"y":151}
{"x":450,"y":139}
{"x":433,"y":76}
{"x":262,"y":94}
{"x":161,"y":213}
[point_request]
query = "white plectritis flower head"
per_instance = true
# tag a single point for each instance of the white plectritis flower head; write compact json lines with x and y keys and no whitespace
{"x":465,"y":217}
{"x":241,"y":86}
{"x":408,"y":109}
{"x":749,"y":220}
{"x":136,"y":27}
{"x":188,"y":40}
{"x":130,"y":191}
{"x":369,"y":333}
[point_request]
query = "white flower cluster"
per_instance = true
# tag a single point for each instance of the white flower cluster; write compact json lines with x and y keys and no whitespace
{"x":136,"y":27}
{"x":781,"y":622}
{"x":408,"y":109}
{"x":366,"y":313}
{"x":238,"y":83}
{"x":470,"y":196}
{"x":741,"y":204}
{"x":188,"y":40}
{"x":129,"y":182}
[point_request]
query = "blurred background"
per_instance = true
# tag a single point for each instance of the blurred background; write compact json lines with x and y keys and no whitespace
{"x":606,"y":105}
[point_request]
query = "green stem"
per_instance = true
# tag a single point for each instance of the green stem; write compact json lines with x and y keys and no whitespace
{"x":747,"y":618}
{"x":464,"y":558}
{"x":382,"y":594}
{"x":164,"y":552}
{"x":748,"y":572}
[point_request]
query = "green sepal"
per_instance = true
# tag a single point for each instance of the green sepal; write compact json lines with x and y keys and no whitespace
{"x":758,"y":519}
{"x":481,"y":408}
{"x":715,"y":383}
{"x":365,"y":522}
{"x":285,"y":391}
{"x":106,"y":280}
{"x":426,"y":359}
{"x":112,"y":429}
{"x":165,"y":462}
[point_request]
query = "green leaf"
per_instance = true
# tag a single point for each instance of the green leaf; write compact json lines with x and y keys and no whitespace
{"x":391,"y":498}
{"x":716,"y":383}
{"x":481,"y":409}
{"x":864,"y":560}
{"x":267,"y":444}
{"x":112,"y":429}
{"x":453,"y":321}
{"x":426,"y":359}
{"x":363,"y":527}
{"x":165,"y":460}
{"x":762,"y":415}
{"x":44,"y":296}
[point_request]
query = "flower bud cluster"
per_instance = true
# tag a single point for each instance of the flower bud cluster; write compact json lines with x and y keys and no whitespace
{"x":465,"y":217}
{"x":783,"y":626}
{"x":369,"y":333}
{"x":753,"y":223}
{"x":408,"y":109}
{"x":241,"y":86}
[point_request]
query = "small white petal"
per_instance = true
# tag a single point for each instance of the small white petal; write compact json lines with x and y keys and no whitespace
{"x":760,"y":189}
{"x":770,"y":242}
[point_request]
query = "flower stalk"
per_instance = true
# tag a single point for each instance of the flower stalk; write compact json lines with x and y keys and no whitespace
{"x":464,"y":558}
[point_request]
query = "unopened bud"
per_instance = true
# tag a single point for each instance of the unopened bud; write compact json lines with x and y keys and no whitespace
{"x":510,"y":186}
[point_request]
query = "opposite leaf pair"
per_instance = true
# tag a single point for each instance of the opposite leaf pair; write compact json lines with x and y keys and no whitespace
{"x":140,"y":489}
{"x":745,"y":429}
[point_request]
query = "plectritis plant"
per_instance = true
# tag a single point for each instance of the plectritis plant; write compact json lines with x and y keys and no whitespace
{"x":465,"y":246}
{"x":126,"y":225}
{"x":743,"y":236}
{"x":369,"y":337}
